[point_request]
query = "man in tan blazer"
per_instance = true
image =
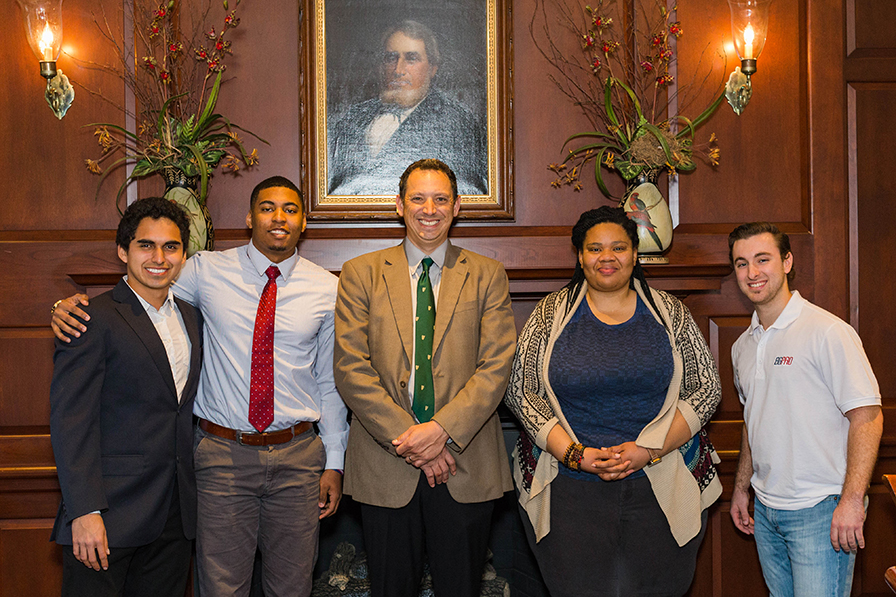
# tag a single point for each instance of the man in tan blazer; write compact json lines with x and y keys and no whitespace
{"x":426,"y":482}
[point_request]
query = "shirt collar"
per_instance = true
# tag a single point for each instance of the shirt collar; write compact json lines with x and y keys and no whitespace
{"x":167,"y":307}
{"x":262,"y":263}
{"x":415,"y":255}
{"x":401,"y":113}
{"x":790,"y":313}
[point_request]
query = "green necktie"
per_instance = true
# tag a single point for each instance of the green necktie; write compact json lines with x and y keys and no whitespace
{"x":425,"y":323}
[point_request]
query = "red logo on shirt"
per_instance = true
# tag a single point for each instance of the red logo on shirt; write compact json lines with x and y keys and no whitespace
{"x":783,"y":360}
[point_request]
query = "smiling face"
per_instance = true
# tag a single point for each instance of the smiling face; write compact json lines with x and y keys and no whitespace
{"x":428,"y":208}
{"x":607,"y":257}
{"x":277,"y":221}
{"x":762,"y":272}
{"x":154,"y":259}
{"x":406,"y":71}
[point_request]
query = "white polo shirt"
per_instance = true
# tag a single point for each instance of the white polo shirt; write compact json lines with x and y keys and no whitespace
{"x":796,"y":380}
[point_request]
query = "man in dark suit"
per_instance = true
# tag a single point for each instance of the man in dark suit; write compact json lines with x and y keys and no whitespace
{"x":426,"y":456}
{"x":372,"y":142}
{"x":121,"y":421}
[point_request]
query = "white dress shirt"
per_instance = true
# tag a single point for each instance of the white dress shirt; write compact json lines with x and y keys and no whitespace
{"x":226,"y":286}
{"x":383,"y":127}
{"x":169,"y":324}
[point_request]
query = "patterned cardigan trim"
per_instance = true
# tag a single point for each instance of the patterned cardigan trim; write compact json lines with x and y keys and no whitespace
{"x":527,"y":393}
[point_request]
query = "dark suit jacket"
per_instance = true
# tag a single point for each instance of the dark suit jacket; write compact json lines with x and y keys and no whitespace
{"x":473,"y":345}
{"x":119,"y":435}
{"x":438,"y":128}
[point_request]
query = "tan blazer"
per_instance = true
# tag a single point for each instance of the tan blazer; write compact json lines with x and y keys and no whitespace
{"x":473,"y":347}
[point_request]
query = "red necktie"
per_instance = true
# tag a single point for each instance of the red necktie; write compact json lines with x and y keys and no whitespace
{"x":261,"y":385}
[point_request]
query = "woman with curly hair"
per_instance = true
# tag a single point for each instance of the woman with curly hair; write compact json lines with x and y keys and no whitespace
{"x":613,"y":383}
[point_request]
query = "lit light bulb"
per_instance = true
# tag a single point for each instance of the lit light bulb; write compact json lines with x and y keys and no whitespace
{"x":748,"y":41}
{"x":46,"y":43}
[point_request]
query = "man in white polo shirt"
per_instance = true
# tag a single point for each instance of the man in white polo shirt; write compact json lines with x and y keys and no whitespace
{"x":813,"y":423}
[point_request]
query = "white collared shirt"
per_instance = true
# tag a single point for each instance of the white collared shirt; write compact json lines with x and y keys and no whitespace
{"x":383,"y":126}
{"x":797,"y":379}
{"x":169,"y":324}
{"x":415,"y":270}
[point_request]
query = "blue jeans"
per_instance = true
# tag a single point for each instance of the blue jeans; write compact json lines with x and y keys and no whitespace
{"x":796,"y":553}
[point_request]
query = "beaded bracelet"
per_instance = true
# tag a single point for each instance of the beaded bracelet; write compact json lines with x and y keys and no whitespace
{"x":572,"y":458}
{"x":566,"y":454}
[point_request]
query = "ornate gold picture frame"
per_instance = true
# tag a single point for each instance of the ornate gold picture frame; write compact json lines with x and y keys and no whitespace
{"x":388,"y":82}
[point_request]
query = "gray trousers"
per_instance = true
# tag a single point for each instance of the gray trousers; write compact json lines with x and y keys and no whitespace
{"x":265,"y":497}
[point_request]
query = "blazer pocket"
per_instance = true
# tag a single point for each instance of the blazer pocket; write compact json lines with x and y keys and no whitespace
{"x":467,"y":306}
{"x":122,"y":465}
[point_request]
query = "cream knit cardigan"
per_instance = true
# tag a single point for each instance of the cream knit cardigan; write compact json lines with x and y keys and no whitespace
{"x":695,"y":391}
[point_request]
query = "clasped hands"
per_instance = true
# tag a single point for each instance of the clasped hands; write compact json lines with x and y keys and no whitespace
{"x":423,"y":446}
{"x":615,"y":462}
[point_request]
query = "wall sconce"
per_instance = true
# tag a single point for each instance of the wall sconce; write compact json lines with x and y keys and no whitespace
{"x":43,"y":25}
{"x":749,"y":26}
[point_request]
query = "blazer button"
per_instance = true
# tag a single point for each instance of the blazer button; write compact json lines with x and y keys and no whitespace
{"x":403,"y":384}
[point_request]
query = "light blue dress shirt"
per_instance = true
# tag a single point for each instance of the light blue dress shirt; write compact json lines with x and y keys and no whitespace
{"x":226,"y":286}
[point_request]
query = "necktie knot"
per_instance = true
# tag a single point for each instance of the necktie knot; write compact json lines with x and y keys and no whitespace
{"x":272,"y":272}
{"x":427,"y":263}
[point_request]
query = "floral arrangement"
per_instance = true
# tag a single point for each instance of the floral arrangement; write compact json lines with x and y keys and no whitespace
{"x":176,"y":86}
{"x":623,"y":84}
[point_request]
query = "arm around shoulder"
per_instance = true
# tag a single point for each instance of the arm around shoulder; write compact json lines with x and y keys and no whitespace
{"x":75,"y":399}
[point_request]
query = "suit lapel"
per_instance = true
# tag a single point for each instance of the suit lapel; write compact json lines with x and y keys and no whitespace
{"x":191,"y":322}
{"x":135,"y":315}
{"x":398,"y":285}
{"x":454,"y":275}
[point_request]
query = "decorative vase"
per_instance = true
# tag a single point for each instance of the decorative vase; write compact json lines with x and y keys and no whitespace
{"x":182,"y":189}
{"x":645,"y":205}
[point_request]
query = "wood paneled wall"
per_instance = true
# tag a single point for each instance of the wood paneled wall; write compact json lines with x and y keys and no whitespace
{"x":811,"y":152}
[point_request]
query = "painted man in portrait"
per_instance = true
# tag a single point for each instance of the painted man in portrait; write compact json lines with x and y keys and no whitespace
{"x":371,"y":143}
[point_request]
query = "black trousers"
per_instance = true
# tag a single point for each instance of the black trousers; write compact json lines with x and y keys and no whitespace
{"x":159,"y":569}
{"x":611,"y":539}
{"x":452,"y":535}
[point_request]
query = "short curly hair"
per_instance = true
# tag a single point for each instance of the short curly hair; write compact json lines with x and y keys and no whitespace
{"x":155,"y":208}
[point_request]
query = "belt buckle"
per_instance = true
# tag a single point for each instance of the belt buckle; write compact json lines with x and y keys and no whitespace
{"x":239,"y":438}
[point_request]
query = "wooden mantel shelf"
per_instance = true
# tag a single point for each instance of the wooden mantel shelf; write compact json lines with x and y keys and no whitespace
{"x":679,"y":279}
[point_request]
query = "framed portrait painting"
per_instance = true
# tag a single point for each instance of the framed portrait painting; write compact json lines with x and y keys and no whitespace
{"x":389,"y":82}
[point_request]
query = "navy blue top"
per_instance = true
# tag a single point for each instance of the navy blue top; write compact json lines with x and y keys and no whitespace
{"x":610,"y":380}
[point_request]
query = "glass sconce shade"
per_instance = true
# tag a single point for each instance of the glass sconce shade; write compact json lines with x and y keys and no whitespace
{"x":43,"y":25}
{"x":749,"y":26}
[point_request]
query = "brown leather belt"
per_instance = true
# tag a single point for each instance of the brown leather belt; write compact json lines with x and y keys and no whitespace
{"x":255,"y":439}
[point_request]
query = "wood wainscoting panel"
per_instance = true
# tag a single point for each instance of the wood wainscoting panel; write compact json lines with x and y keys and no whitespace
{"x":880,"y":538}
{"x":872,"y":208}
{"x":739,"y":571}
{"x":29,"y":563}
{"x":871,"y":27}
{"x":723,"y":333}
{"x":25,"y":371}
